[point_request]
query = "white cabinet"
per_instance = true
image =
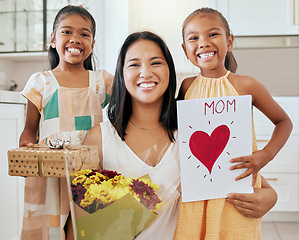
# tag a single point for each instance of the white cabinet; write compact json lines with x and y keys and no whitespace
{"x":11,"y":188}
{"x":283,"y":171}
{"x":246,"y":18}
{"x":261,"y":17}
{"x":286,"y":186}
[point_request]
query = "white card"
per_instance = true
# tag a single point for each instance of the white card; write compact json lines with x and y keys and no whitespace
{"x":212,"y":131}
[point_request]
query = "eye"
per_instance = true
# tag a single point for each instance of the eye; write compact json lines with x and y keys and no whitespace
{"x":66,"y":32}
{"x":213,"y":34}
{"x":156,"y":63}
{"x":85,"y":35}
{"x":133,"y":65}
{"x":192,"y":38}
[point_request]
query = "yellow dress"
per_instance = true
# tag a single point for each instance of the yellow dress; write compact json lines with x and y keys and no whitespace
{"x":215,"y":219}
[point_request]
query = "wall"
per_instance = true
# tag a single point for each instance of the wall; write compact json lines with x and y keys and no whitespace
{"x":21,"y":69}
{"x":276,"y":68}
{"x":112,"y":20}
{"x":6,"y":68}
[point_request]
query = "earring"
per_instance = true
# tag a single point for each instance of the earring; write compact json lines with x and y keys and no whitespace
{"x":53,"y":45}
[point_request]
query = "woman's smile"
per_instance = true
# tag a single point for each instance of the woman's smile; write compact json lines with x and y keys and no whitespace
{"x":147,"y":85}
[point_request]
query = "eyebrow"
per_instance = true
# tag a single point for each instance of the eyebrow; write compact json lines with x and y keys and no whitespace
{"x":153,"y":58}
{"x":210,"y":29}
{"x":86,"y":29}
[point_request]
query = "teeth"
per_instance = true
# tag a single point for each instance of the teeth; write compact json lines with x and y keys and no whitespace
{"x":147,"y":85}
{"x":206,"y":55}
{"x":74,"y":50}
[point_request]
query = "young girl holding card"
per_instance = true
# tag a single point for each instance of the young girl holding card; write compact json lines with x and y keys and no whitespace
{"x":208,"y":43}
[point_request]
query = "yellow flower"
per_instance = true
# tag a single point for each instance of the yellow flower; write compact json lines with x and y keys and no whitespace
{"x":88,"y":200}
{"x":125,"y":182}
{"x":103,"y":192}
{"x":83,"y":172}
{"x":117,"y":179}
{"x":101,"y":176}
{"x":118,"y":193}
{"x":78,"y":179}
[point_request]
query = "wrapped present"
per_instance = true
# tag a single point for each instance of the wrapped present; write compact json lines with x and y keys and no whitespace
{"x":43,"y":161}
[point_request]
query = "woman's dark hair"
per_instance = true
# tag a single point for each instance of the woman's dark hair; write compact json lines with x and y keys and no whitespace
{"x":230,"y":61}
{"x":66,"y":11}
{"x":120,"y":105}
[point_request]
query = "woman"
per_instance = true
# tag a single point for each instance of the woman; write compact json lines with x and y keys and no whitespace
{"x":140,"y":136}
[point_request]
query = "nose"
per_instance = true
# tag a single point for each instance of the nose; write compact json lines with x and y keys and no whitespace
{"x":204,"y":42}
{"x":75,"y":39}
{"x":146,"y":72}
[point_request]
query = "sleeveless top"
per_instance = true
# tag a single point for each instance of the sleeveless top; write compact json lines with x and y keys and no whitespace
{"x":117,"y":156}
{"x":215,"y":219}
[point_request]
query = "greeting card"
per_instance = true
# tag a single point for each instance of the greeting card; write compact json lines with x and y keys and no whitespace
{"x":212,"y":131}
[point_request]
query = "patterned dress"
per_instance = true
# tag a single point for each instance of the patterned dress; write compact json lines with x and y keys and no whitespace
{"x":68,"y":114}
{"x":215,"y":219}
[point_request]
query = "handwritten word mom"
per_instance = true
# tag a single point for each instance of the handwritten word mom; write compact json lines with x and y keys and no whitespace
{"x":220,"y":106}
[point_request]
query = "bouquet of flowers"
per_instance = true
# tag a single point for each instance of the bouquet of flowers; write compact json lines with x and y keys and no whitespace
{"x":107,"y":205}
{"x":95,"y":189}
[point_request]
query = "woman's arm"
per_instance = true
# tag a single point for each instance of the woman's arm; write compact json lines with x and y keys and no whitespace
{"x":94,"y":137}
{"x":29,"y":134}
{"x":255,"y":204}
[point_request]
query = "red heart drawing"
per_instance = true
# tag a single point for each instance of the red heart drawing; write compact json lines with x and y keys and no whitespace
{"x":208,"y":148}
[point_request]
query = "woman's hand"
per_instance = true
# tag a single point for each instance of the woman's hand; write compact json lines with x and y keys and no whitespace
{"x":254,"y":205}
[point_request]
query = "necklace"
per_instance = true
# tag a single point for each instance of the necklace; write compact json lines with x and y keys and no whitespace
{"x":144,"y":128}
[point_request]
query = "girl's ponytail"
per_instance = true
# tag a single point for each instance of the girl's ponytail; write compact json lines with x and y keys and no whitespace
{"x":230,"y":62}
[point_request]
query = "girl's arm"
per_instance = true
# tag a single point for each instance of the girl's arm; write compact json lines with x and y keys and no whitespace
{"x":29,"y":134}
{"x":255,"y":204}
{"x":262,"y":100}
{"x":94,"y":137}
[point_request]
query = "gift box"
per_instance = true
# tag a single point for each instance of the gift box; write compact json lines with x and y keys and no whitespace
{"x":41,"y":160}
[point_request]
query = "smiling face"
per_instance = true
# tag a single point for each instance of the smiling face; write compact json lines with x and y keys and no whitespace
{"x":73,"y":40}
{"x":206,"y":43}
{"x":146,"y":72}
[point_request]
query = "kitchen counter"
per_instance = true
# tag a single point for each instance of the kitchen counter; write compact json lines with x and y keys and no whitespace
{"x":12,"y":97}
